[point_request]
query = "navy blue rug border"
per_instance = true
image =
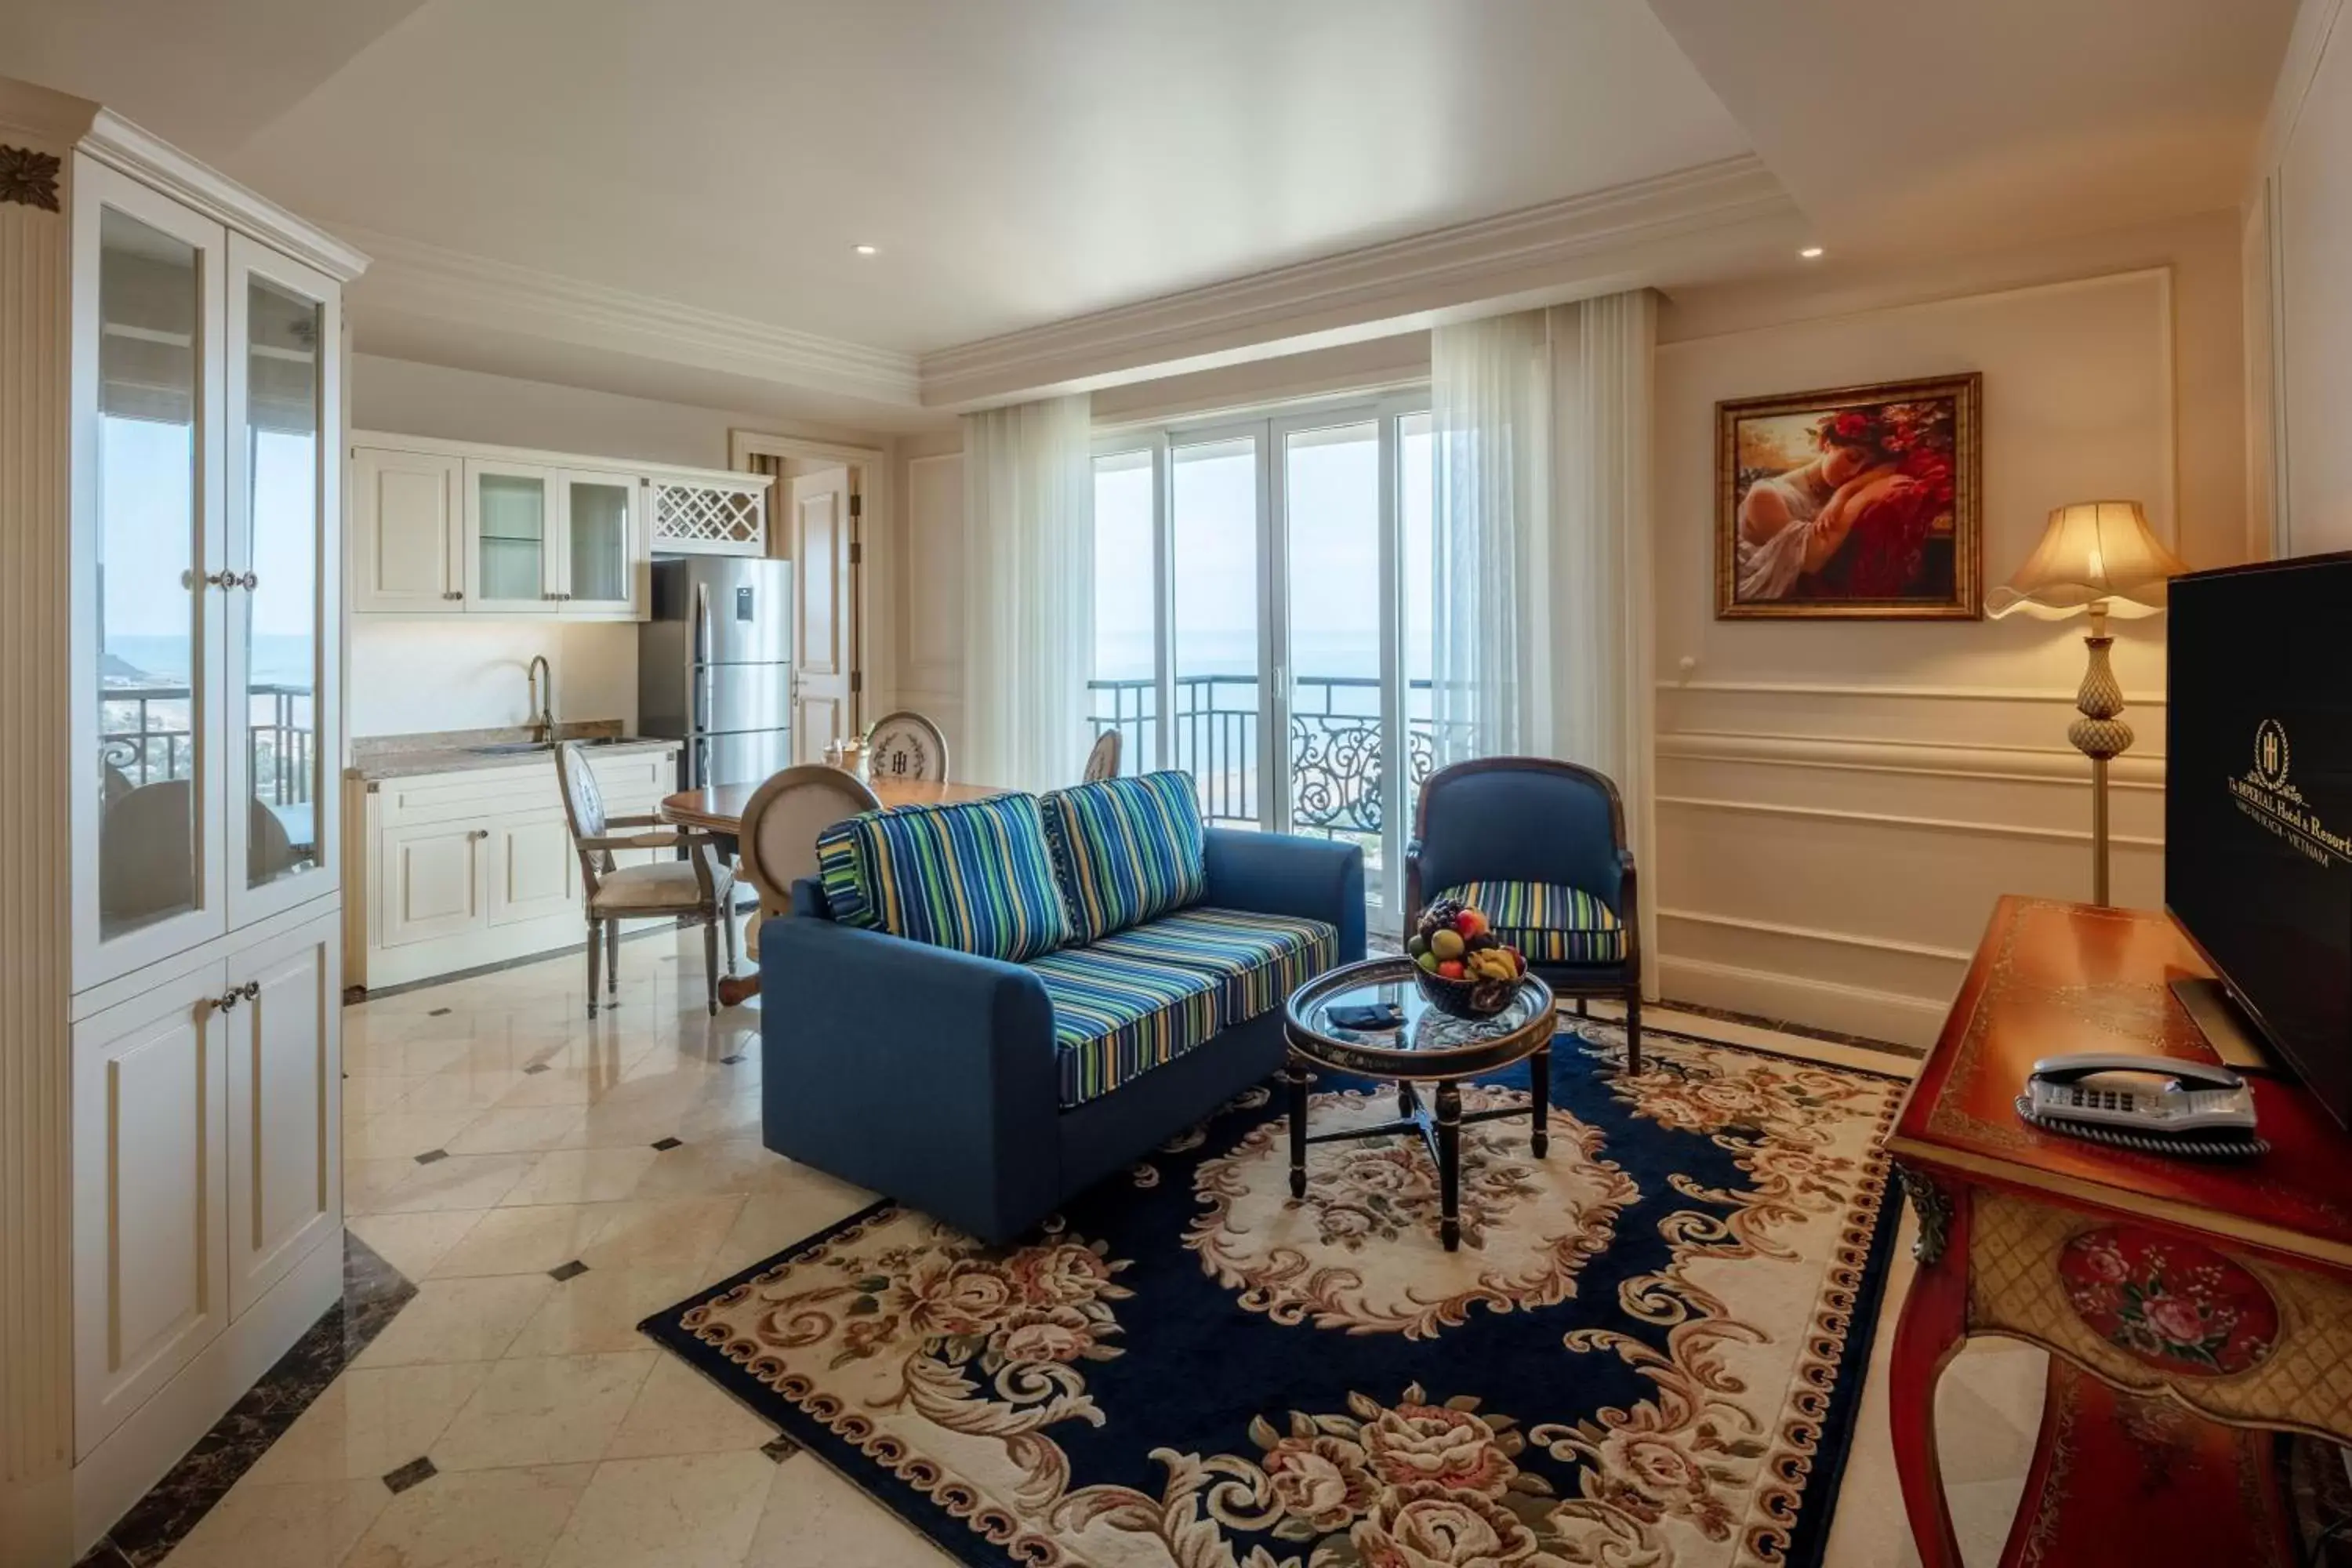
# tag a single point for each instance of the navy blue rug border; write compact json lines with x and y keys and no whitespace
{"x":1825,"y":1481}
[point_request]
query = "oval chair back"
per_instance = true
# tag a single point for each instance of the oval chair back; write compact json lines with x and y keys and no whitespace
{"x":906,"y":745}
{"x":1102,"y":762}
{"x":781,"y":822}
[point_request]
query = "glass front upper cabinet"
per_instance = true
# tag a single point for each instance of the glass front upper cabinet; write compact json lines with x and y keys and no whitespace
{"x":598,"y":541}
{"x":280,"y":503}
{"x":510,"y":537}
{"x":151,"y":849}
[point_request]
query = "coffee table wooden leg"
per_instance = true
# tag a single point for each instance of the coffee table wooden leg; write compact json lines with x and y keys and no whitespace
{"x":1539,"y":1091}
{"x":1405,"y":1102}
{"x":1294,"y":1073}
{"x":1449,"y":1163}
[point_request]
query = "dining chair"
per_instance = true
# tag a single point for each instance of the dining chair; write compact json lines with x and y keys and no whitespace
{"x":698,"y":890}
{"x":1538,"y":846}
{"x":906,"y":745}
{"x":781,"y":822}
{"x":1102,"y":762}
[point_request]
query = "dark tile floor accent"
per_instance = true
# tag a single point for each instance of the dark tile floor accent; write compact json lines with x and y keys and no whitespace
{"x":430,"y":1155}
{"x":536,"y":1066}
{"x":420,"y":1468}
{"x":732,"y":1061}
{"x":440,"y":1012}
{"x":780,"y":1450}
{"x":666,"y":1144}
{"x":373,"y":1293}
{"x":571,"y":1271}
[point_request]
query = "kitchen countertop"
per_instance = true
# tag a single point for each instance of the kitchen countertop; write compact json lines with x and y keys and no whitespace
{"x":458,"y":751}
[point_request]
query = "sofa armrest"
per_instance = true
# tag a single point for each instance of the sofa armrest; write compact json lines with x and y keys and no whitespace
{"x":1286,"y":874}
{"x":926,"y":1074}
{"x":808,"y":899}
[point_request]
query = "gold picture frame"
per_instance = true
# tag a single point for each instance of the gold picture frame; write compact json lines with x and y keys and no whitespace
{"x":1851,"y":503}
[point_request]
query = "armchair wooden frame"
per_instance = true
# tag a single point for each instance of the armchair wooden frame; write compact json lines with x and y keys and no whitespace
{"x":1562,"y":978}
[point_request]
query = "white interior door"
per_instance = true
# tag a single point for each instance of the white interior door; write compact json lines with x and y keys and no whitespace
{"x":285,"y":1133}
{"x":823,"y":531}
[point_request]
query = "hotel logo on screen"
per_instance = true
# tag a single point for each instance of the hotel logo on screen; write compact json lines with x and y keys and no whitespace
{"x":2264,"y":794}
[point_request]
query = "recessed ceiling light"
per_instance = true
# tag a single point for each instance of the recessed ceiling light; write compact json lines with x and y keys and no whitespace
{"x":867,"y":249}
{"x":1811,"y":253}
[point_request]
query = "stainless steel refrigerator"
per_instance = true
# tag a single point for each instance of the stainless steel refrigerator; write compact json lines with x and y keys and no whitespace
{"x":714,"y":666}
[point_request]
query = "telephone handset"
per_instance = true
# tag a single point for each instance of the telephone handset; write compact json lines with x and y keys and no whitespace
{"x":2157,"y":1105}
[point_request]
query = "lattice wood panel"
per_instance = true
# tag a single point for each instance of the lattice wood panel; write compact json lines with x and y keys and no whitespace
{"x":710,"y":519}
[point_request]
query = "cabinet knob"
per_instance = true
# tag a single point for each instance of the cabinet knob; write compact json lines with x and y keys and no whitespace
{"x":227,"y":1000}
{"x":220,"y":579}
{"x":479,"y":833}
{"x":248,"y":582}
{"x":452,"y":593}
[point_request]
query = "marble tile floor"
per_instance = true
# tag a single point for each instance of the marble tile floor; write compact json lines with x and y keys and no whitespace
{"x":545,"y":1180}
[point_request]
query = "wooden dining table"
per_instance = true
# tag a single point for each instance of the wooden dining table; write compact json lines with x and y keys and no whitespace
{"x":719,"y":808}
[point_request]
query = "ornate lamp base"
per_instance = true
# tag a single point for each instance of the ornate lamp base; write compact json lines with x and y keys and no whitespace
{"x":2099,"y":734}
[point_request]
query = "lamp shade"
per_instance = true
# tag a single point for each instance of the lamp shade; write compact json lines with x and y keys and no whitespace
{"x":2092,"y":551}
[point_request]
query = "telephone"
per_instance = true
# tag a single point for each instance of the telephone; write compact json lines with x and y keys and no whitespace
{"x":2157,"y":1105}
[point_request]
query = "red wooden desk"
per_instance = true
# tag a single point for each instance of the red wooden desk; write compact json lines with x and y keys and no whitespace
{"x":2190,"y":1308}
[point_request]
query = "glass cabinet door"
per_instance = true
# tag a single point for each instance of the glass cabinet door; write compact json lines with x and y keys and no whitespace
{"x":510,"y":538}
{"x":148,"y":580}
{"x":283,"y":337}
{"x":600,"y":541}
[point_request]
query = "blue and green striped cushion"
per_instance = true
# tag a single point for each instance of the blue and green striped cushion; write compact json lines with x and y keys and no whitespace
{"x":977,"y":877}
{"x":1548,"y":922}
{"x":1127,"y":849}
{"x":1116,"y":1016}
{"x":1257,"y":959}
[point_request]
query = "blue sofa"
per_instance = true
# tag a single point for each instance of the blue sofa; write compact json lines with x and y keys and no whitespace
{"x":954,"y":1082}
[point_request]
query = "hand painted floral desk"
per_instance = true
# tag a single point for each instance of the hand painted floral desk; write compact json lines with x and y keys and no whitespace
{"x":2192,"y":1308}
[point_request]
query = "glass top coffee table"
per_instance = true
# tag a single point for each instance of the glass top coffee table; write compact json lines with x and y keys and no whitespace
{"x":1429,"y":1046}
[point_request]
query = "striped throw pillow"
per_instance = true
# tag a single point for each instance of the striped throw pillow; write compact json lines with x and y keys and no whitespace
{"x":977,"y":877}
{"x":1127,"y":849}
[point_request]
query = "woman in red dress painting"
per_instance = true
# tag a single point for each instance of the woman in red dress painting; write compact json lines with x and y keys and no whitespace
{"x":1854,"y":523}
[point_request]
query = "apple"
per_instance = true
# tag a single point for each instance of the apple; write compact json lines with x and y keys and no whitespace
{"x":1470,"y":923}
{"x":1451,"y":969}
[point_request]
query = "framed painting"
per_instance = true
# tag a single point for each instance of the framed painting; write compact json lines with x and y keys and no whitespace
{"x":1854,"y":503}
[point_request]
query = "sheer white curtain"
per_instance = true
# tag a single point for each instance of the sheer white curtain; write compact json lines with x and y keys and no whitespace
{"x":1604,"y":686}
{"x":1489,"y":417}
{"x":1028,"y":593}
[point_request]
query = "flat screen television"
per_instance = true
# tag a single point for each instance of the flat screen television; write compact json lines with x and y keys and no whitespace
{"x":2258,"y":800}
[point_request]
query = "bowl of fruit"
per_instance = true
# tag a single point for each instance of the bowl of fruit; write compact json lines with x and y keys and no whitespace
{"x":1465,"y":970}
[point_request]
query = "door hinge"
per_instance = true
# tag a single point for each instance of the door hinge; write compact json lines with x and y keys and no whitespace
{"x":857,"y":504}
{"x":856,"y":681}
{"x":857,"y":552}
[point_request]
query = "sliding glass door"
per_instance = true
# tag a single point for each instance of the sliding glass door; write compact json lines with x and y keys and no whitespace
{"x":1262,"y":618}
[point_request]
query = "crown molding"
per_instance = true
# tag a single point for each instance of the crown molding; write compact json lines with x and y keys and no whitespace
{"x":414,"y":279}
{"x":116,"y":142}
{"x":1563,"y":247}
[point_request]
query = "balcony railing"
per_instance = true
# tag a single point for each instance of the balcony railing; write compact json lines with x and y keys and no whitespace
{"x":144,"y":735}
{"x":1336,"y":750}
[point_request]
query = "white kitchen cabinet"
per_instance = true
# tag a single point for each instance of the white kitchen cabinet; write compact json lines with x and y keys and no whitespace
{"x":430,"y":882}
{"x":408,"y":532}
{"x":511,"y":538}
{"x":478,"y":866}
{"x":284,"y":1048}
{"x":534,"y":871}
{"x":458,"y":528}
{"x":151,"y":1210}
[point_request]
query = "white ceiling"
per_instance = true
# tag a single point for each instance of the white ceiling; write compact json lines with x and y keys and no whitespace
{"x":532,"y":171}
{"x":1907,"y":126}
{"x":1016,"y":161}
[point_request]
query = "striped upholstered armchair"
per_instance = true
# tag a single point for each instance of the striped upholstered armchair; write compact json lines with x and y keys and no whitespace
{"x":1539,"y":847}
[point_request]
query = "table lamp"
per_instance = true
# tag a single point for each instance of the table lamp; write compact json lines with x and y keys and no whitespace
{"x":2098,"y":557}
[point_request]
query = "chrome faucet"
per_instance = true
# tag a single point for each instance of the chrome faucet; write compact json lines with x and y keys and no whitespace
{"x":542,"y":699}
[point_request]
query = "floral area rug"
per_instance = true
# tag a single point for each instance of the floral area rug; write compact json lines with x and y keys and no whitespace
{"x":1649,"y":1349}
